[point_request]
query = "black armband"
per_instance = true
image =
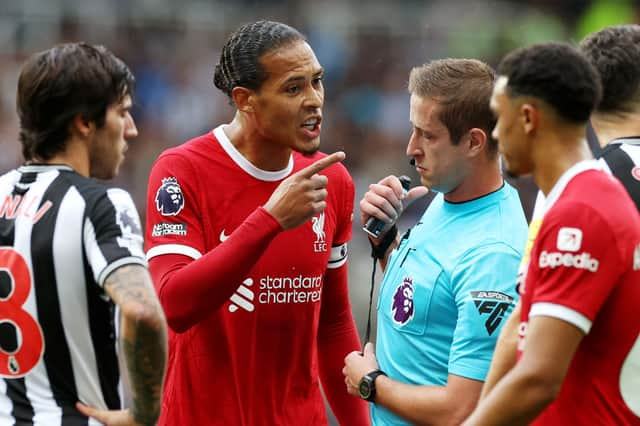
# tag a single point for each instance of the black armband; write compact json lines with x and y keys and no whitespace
{"x":378,"y":251}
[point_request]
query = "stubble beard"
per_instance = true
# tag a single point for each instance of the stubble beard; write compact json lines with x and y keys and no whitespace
{"x":310,"y":152}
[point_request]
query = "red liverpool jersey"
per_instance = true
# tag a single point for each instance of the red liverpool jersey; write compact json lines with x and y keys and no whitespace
{"x":585,"y":270}
{"x":252,"y":357}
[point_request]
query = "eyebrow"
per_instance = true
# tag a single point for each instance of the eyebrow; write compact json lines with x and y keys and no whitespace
{"x":302,"y":78}
{"x":292,"y":79}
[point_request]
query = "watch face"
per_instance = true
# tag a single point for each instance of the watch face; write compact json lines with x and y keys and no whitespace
{"x":364,"y":388}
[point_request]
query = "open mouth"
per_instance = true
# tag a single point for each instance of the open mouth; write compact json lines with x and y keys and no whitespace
{"x":311,"y":127}
{"x":312,"y":123}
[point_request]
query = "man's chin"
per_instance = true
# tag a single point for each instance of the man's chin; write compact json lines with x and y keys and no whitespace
{"x":309,"y":149}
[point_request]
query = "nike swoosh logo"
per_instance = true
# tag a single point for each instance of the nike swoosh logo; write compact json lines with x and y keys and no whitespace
{"x":223,"y":236}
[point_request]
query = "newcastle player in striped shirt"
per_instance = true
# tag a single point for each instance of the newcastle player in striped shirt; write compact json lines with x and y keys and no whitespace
{"x":74,"y":287}
{"x":615,"y":53}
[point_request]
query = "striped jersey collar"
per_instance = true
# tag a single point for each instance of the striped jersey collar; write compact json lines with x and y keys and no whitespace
{"x":37,"y":168}
{"x":632,"y":140}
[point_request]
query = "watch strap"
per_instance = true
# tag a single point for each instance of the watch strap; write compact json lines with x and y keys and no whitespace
{"x":371,"y":378}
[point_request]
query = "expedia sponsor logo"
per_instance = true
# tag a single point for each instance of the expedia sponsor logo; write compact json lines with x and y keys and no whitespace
{"x":162,"y":229}
{"x":580,"y":261}
{"x":569,"y":239}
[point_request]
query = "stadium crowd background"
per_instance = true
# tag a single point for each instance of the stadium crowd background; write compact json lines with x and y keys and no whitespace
{"x":366,"y":47}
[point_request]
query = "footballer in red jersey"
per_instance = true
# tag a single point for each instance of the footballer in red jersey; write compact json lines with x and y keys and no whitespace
{"x":612,"y":135}
{"x":247,"y":230}
{"x":579,"y":335}
{"x":585,"y":270}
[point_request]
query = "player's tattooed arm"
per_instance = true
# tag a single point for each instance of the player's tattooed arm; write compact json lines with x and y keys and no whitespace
{"x":143,"y":338}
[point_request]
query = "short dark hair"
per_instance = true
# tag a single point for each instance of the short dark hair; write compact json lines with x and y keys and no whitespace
{"x":239,"y":63}
{"x":462,"y":88}
{"x":615,"y":53}
{"x":57,"y":84}
{"x":556,"y":73}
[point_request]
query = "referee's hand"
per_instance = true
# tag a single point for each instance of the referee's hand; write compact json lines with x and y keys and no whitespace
{"x":386,"y":200}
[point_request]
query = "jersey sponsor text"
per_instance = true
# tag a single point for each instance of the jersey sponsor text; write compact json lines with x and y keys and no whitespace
{"x":277,"y":290}
{"x":580,"y":261}
{"x":162,"y":229}
{"x":298,"y":289}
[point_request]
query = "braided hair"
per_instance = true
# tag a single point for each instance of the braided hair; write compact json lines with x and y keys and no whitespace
{"x":239,"y":63}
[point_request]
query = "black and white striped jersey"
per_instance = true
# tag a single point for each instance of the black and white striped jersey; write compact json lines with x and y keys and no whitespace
{"x":621,"y":157}
{"x":61,"y":235}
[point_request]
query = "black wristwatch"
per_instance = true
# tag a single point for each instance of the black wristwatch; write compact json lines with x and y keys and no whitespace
{"x":367,"y":385}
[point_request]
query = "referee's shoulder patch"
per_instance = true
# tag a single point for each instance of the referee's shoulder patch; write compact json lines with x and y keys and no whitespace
{"x":495,"y":305}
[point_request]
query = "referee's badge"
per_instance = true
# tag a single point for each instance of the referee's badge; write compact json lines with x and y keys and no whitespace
{"x":402,"y":307}
{"x":169,"y":198}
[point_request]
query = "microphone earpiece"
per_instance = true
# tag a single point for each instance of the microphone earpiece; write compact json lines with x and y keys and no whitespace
{"x":412,"y":161}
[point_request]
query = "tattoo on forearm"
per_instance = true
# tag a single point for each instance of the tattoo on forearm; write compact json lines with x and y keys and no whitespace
{"x":143,"y":338}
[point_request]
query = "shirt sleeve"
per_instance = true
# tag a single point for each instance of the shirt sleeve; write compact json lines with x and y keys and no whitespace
{"x":338,"y":336}
{"x":173,"y":223}
{"x":345,"y":202}
{"x":189,"y":291}
{"x":482,"y":285}
{"x":189,"y":279}
{"x":337,"y":332}
{"x":576,"y":262}
{"x":112,"y":234}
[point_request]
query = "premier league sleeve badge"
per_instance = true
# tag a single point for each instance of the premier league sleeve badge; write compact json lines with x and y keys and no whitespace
{"x":169,"y":198}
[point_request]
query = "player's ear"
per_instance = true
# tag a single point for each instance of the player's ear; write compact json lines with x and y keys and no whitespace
{"x":529,"y":116}
{"x":243,"y":98}
{"x":81,"y":126}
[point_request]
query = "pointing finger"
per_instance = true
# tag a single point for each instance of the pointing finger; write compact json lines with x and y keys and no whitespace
{"x":322,"y":164}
